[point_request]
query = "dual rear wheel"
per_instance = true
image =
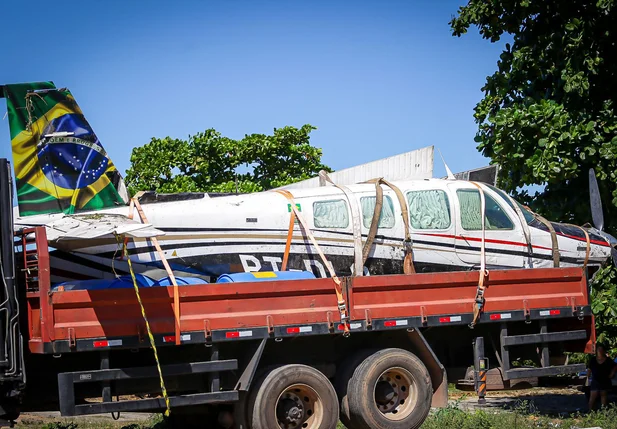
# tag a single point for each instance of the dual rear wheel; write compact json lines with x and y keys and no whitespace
{"x":293,"y":397}
{"x":383,"y":389}
{"x":386,"y":389}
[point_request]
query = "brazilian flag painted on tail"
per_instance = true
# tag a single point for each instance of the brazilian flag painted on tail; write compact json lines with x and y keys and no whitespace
{"x":60,"y":165}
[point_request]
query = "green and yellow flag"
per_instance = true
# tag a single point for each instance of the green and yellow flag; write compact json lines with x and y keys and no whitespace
{"x":60,"y":165}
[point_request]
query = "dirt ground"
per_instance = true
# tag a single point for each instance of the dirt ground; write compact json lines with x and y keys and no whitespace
{"x":557,"y":402}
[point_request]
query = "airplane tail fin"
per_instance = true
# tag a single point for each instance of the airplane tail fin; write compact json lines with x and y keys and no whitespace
{"x":60,"y":165}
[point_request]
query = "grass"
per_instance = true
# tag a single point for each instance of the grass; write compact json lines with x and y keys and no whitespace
{"x":521,"y":417}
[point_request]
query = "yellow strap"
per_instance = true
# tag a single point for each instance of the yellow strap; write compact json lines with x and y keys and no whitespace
{"x":150,"y":336}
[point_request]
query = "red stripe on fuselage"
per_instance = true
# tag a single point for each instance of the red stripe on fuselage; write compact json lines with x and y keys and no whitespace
{"x":488,"y":240}
{"x":573,"y":237}
{"x":514,"y":243}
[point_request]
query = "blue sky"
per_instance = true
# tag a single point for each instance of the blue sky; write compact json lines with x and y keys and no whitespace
{"x":377,"y":78}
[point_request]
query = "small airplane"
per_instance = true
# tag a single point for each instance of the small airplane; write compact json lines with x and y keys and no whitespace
{"x":66,"y":181}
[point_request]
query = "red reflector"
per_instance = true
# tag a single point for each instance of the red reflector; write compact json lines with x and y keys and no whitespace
{"x":293,"y":330}
{"x":389,"y":323}
{"x":101,"y":343}
{"x":169,"y":339}
{"x":232,"y":334}
{"x":555,"y":312}
{"x":495,"y":316}
{"x":444,"y":320}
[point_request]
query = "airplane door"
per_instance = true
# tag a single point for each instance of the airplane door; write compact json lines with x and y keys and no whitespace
{"x":504,"y":240}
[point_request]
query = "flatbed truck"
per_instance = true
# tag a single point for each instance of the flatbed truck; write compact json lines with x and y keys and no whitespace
{"x":273,"y":354}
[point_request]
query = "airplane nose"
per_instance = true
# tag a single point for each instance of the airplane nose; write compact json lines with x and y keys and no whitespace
{"x":611,"y":240}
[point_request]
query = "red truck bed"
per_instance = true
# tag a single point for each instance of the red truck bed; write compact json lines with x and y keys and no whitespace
{"x":68,"y":321}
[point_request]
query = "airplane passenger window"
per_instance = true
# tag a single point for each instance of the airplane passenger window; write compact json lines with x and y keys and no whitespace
{"x":330,"y":214}
{"x":429,"y":209}
{"x":386,"y":218}
{"x":469,"y":201}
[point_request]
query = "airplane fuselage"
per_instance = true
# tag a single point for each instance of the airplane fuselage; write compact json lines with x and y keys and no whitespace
{"x":210,"y":236}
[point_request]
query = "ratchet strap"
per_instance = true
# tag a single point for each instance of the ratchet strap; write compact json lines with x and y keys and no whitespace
{"x":554,"y":242}
{"x":290,"y":231}
{"x":342,"y":306}
{"x":355,"y":216}
{"x":374,"y":222}
{"x":135,"y":203}
{"x":408,"y":267}
{"x":525,"y":226}
{"x":479,"y":300}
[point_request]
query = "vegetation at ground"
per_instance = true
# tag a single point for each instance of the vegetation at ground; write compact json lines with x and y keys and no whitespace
{"x":522,"y":416}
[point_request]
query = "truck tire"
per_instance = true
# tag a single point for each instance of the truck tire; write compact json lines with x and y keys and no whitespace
{"x":390,"y":389}
{"x":344,"y":372}
{"x":293,"y":396}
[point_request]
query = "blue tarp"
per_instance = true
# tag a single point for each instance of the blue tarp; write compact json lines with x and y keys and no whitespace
{"x":145,"y":281}
{"x":264,"y":276}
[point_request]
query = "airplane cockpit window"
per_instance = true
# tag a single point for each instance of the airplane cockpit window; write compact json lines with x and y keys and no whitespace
{"x":330,"y":214}
{"x":527,"y":214}
{"x":495,"y":219}
{"x":386,"y":218}
{"x":429,"y":209}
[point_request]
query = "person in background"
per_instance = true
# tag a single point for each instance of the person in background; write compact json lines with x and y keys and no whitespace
{"x":601,"y":368}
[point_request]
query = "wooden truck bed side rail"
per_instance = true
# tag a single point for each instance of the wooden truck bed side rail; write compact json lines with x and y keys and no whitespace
{"x":68,"y":321}
{"x":454,"y":292}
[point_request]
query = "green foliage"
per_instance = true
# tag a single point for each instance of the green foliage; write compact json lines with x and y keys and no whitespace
{"x":604,"y":307}
{"x":549,"y":111}
{"x":453,"y":417}
{"x":522,"y":416}
{"x":210,"y":162}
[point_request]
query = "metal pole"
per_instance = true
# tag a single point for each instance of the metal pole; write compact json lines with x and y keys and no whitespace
{"x":480,"y":368}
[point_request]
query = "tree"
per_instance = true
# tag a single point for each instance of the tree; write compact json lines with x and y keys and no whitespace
{"x":548,"y":113}
{"x":209,"y":162}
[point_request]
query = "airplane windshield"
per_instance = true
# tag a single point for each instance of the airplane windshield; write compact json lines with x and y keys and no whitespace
{"x":527,"y":214}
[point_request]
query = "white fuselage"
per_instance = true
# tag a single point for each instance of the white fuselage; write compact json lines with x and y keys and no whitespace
{"x":210,"y":236}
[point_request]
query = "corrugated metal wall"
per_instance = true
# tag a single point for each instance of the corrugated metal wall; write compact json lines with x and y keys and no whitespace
{"x":417,"y":164}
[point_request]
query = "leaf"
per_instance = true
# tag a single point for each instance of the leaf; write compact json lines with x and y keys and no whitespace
{"x":590,"y":126}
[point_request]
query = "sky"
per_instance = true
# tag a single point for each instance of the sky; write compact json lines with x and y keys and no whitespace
{"x":377,"y":78}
